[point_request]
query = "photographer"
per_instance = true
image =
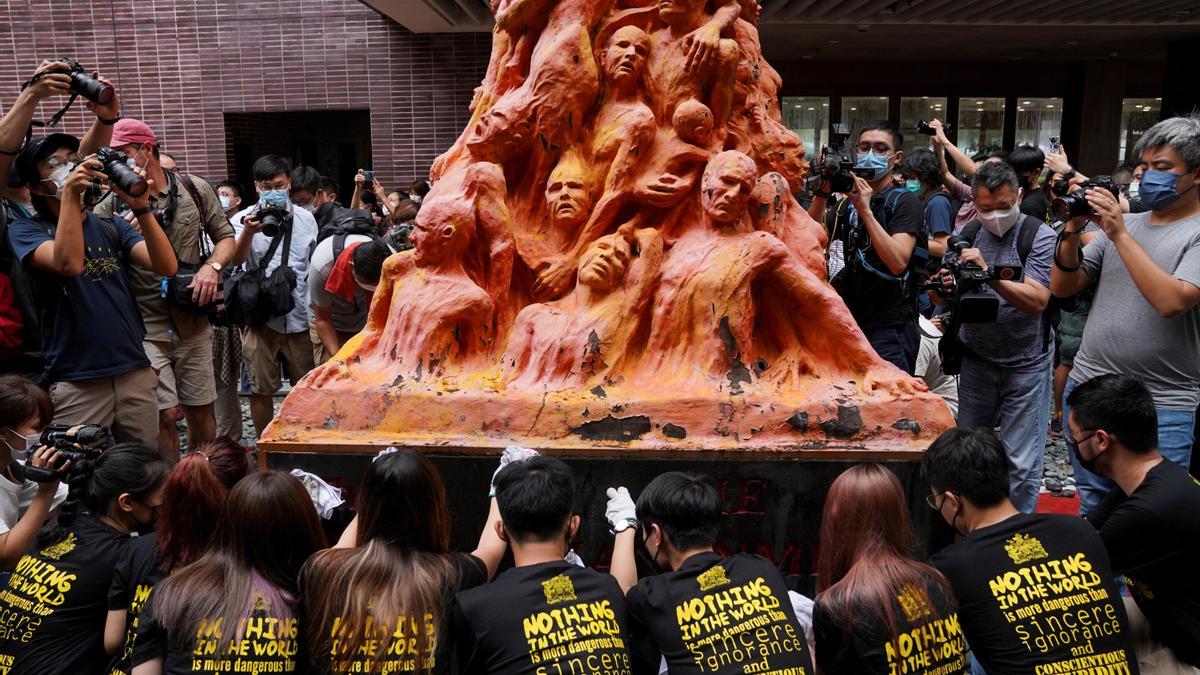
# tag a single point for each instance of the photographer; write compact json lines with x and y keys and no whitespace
{"x":923,"y":177}
{"x":178,"y":336}
{"x":880,"y":231}
{"x":1144,"y":320}
{"x":92,"y":331}
{"x":284,"y":336}
{"x":959,"y":190}
{"x":25,"y":409}
{"x":1006,"y":363}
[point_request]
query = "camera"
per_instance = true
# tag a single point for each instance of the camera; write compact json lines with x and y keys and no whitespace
{"x":924,"y":128}
{"x":1075,"y":204}
{"x":87,"y":86}
{"x":1059,"y":187}
{"x":368,"y":176}
{"x":74,"y":443}
{"x":274,"y":219}
{"x":836,"y":165}
{"x":1054,"y":143}
{"x":119,"y":173}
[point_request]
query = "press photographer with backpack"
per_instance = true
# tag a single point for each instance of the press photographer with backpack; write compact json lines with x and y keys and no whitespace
{"x":270,"y":296}
{"x":175,"y":310}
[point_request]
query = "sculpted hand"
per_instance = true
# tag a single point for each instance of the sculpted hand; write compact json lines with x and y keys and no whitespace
{"x":701,"y":46}
{"x":554,"y":278}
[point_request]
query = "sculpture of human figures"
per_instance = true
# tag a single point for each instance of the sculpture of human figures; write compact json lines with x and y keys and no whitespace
{"x":584,"y":337}
{"x":438,"y":304}
{"x":774,"y":209}
{"x":704,"y":315}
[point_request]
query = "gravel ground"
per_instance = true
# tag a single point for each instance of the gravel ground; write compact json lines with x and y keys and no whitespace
{"x":1058,"y":476}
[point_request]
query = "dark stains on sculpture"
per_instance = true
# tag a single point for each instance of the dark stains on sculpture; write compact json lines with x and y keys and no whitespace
{"x":599,"y":392}
{"x":799,"y":421}
{"x":614,"y":428}
{"x":848,"y":423}
{"x":674,"y":431}
{"x":907,"y":424}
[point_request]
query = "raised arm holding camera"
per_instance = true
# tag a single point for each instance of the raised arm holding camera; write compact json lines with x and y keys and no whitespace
{"x":1144,"y":320}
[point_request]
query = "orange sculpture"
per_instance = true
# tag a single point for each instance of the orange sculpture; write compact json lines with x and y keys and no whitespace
{"x":611,"y":257}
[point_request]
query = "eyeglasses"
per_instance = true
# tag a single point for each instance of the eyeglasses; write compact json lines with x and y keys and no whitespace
{"x":1077,"y":441}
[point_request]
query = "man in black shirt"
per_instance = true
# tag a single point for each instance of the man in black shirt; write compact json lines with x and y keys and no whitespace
{"x":1036,"y":593}
{"x":1148,"y":522}
{"x":878,"y":247}
{"x":1028,"y":161}
{"x":544,"y":616}
{"x":708,"y":614}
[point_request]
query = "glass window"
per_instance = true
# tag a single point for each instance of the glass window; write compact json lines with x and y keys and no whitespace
{"x":980,"y":124}
{"x":808,"y":116}
{"x":860,"y":111}
{"x":1137,"y":115}
{"x":913,"y":109}
{"x":1039,"y":120}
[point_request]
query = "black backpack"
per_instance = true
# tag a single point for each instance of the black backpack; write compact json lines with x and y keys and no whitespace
{"x":335,"y":219}
{"x":252,"y":297}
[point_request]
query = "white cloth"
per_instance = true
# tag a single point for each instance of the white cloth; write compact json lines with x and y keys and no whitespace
{"x":304,"y":233}
{"x":324,"y":496}
{"x":929,"y":366}
{"x":15,"y":499}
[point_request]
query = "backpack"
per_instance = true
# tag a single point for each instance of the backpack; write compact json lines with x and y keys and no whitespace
{"x":855,"y":258}
{"x":339,"y":220}
{"x":252,"y":297}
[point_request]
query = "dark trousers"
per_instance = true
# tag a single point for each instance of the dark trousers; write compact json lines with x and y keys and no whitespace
{"x":897,"y":344}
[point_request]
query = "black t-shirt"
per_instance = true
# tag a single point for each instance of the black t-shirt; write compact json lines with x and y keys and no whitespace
{"x":1153,"y":537}
{"x":876,"y":301}
{"x":1035,"y":203}
{"x":266,"y":641}
{"x":854,"y":640}
{"x":133,"y":580}
{"x":1037,"y":591}
{"x":551,"y":617}
{"x":400,"y":656}
{"x":53,"y":610}
{"x":721,"y":616}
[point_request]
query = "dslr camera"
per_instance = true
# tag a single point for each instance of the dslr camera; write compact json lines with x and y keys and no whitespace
{"x":119,"y":173}
{"x":836,"y":165}
{"x":1076,"y":204}
{"x":274,"y":219}
{"x":83,"y":84}
{"x":924,"y":128}
{"x":74,"y":443}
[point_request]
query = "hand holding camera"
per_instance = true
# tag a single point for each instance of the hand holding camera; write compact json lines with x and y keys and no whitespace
{"x":1106,"y":209}
{"x":88,"y":172}
{"x":70,"y":443}
{"x":47,"y":459}
{"x":130,"y":184}
{"x":50,"y":79}
{"x":861,"y":195}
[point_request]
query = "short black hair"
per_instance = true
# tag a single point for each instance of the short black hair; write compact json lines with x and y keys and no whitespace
{"x":1120,"y":405}
{"x":1027,"y":158}
{"x":536,"y":498}
{"x":368,"y":260}
{"x":269,"y":166}
{"x":884,"y":125}
{"x":237,"y":189}
{"x":686,"y":507}
{"x":329,"y":186}
{"x":923,"y":165}
{"x":970,"y":462}
{"x":305,"y":178}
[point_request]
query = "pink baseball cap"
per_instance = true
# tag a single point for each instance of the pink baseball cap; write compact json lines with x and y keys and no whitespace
{"x":128,"y":130}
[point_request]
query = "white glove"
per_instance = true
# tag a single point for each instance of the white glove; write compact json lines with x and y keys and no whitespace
{"x":621,"y":508}
{"x":513,"y":453}
{"x":324,"y":496}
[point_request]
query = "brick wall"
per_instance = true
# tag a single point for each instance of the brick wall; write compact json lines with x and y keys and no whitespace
{"x":180,"y":65}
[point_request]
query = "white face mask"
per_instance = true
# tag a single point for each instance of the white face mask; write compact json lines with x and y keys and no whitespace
{"x":59,"y":177}
{"x":1000,"y":222}
{"x":311,"y":208}
{"x":224,"y":202}
{"x":19,"y":453}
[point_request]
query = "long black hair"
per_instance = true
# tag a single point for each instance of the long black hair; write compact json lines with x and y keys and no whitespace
{"x":95,"y":484}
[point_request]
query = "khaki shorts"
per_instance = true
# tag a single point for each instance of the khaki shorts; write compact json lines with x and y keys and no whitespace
{"x":263,"y":348}
{"x":126,"y":403}
{"x":185,"y":370}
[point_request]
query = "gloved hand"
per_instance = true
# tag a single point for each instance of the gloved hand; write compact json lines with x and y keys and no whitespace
{"x":512,"y":453}
{"x":620,"y":509}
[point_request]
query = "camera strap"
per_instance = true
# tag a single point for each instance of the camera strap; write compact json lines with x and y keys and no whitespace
{"x":54,"y":119}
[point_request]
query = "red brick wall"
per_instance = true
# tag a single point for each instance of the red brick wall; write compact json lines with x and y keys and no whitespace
{"x":181,"y":64}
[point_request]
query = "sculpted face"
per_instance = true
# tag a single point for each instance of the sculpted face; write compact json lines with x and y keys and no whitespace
{"x":626,"y":55}
{"x":766,"y":200}
{"x":693,"y":121}
{"x":603,"y":265}
{"x":438,"y":234}
{"x":567,"y":195}
{"x":675,"y":11}
{"x":751,"y":11}
{"x":728,"y":181}
{"x":498,"y":132}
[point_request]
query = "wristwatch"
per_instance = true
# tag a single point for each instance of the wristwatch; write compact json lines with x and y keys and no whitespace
{"x":141,"y":211}
{"x":624,"y":525}
{"x":215,"y":265}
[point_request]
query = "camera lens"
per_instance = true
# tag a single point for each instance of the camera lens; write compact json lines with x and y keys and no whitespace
{"x":1070,"y":206}
{"x":90,"y":88}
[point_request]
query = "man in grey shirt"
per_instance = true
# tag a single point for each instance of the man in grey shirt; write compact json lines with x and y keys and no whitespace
{"x":1144,"y":320}
{"x":1006,"y":367}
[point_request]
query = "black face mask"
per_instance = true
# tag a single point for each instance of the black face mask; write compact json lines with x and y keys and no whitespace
{"x":1088,"y":464}
{"x":146,"y":528}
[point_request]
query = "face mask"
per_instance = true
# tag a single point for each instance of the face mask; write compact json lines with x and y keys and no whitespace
{"x":59,"y":177}
{"x":1133,"y":190}
{"x":877,"y":163}
{"x":274,"y":197}
{"x":311,"y":208}
{"x":28,"y":443}
{"x":1089,"y":464}
{"x":1000,"y":222}
{"x":144,"y":529}
{"x":224,"y":202}
{"x":1160,"y":189}
{"x":913,"y":186}
{"x":132,"y":162}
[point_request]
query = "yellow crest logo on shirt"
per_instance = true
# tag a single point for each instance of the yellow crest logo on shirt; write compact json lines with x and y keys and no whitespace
{"x":712,"y":578}
{"x":56,"y":551}
{"x":1022,"y":548}
{"x":559,"y":589}
{"x":914,"y":603}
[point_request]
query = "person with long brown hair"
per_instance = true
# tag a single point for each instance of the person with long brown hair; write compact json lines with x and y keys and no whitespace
{"x":382,"y":605}
{"x":874,"y":598}
{"x":192,"y":500}
{"x":234,"y":609}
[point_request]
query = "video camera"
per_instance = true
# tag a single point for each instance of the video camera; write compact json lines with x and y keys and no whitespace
{"x":836,"y":165}
{"x":74,"y":443}
{"x":1075,"y":204}
{"x":274,"y":219}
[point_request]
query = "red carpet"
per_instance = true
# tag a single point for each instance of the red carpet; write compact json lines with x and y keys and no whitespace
{"x":1048,"y":503}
